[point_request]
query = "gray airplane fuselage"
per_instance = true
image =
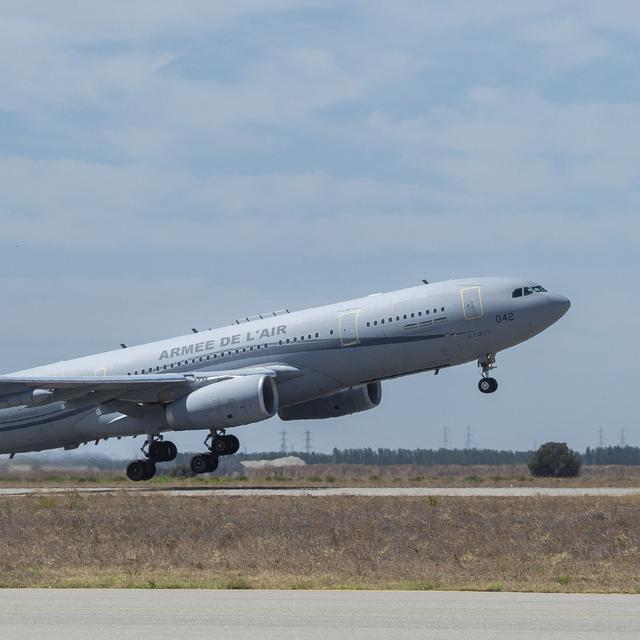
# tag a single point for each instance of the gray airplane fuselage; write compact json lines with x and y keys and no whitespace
{"x":334,"y":347}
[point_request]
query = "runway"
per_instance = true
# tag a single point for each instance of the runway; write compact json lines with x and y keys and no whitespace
{"x":336,"y":491}
{"x":50,"y":614}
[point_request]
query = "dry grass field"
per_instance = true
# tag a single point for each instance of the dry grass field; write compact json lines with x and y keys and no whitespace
{"x":339,"y":475}
{"x":531,"y":544}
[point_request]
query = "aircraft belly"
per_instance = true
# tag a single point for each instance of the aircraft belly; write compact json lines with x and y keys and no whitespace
{"x":29,"y":429}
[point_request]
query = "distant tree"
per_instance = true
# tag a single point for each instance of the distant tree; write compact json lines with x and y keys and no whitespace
{"x":555,"y":460}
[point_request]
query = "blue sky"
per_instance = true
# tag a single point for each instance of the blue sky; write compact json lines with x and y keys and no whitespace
{"x":167,"y":165}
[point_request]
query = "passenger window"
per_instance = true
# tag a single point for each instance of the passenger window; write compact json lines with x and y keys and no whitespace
{"x":382,"y":321}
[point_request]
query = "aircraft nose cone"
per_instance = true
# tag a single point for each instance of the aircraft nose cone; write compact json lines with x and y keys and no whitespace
{"x":559,"y":305}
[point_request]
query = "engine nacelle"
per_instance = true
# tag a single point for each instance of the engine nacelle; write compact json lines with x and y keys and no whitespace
{"x":229,"y":403}
{"x":353,"y":400}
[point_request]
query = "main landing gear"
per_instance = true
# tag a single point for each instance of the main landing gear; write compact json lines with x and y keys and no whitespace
{"x":155,"y":449}
{"x":487,"y":384}
{"x":218,"y":444}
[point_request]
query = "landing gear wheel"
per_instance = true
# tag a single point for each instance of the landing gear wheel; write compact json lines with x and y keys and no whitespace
{"x":225,"y":445}
{"x":488,"y":385}
{"x":171,"y":451}
{"x":140,"y":470}
{"x":212,"y":463}
{"x":203,"y":463}
{"x":162,"y":451}
{"x":150,"y":470}
{"x":219,"y":445}
{"x":233,"y":445}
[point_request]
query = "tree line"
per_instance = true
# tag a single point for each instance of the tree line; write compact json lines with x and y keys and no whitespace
{"x":429,"y":457}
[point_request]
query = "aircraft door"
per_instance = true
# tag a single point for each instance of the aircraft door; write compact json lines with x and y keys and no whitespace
{"x":471,"y":303}
{"x":349,"y":328}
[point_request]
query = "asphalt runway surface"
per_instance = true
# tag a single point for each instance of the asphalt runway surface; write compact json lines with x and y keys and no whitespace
{"x":338,"y":491}
{"x":49,"y":614}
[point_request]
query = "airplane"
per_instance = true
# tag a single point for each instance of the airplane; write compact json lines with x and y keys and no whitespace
{"x":322,"y":362}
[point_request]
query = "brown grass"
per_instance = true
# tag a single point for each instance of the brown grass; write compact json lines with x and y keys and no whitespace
{"x":537,"y":544}
{"x":340,"y":475}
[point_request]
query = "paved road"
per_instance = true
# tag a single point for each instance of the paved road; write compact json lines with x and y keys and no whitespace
{"x":337,"y":491}
{"x":50,"y":614}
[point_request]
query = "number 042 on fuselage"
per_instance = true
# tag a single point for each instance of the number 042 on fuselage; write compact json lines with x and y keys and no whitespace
{"x":317,"y":363}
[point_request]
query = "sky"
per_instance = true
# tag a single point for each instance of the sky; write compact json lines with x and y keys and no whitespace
{"x":172,"y":165}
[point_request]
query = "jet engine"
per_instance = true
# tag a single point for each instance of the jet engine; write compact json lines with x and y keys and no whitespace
{"x":229,"y":403}
{"x":353,"y":400}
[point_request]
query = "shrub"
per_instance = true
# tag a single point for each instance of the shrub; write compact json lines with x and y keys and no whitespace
{"x":555,"y":460}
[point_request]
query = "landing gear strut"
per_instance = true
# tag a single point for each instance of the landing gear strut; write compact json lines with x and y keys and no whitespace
{"x":155,"y":449}
{"x":487,"y":384}
{"x":218,"y":444}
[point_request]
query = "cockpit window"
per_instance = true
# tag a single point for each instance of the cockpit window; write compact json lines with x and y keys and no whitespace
{"x":527,"y":291}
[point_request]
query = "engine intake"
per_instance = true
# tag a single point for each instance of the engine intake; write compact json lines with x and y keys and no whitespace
{"x":352,"y":400}
{"x":229,"y":403}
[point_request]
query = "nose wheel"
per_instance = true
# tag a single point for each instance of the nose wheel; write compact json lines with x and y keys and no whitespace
{"x":487,"y":384}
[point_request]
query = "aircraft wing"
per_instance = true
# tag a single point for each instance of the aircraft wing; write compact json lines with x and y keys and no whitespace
{"x":160,"y":387}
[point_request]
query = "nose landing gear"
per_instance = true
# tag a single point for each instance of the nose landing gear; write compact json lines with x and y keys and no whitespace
{"x":155,"y":449}
{"x":487,"y":384}
{"x":218,"y":444}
